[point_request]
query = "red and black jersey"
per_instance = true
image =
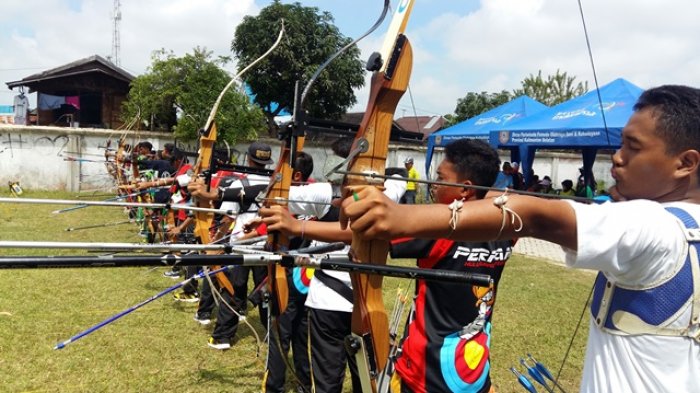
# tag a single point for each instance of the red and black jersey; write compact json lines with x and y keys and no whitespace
{"x":181,"y":214}
{"x":435,"y":356}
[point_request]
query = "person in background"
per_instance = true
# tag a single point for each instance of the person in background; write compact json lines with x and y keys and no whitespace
{"x":143,"y":150}
{"x":585,"y":186}
{"x":504,"y":179}
{"x":411,"y":186}
{"x":518,"y":180}
{"x":166,"y":153}
{"x":567,"y":188}
{"x":546,"y":186}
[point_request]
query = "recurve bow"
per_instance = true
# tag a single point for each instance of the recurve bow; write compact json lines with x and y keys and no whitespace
{"x":207,"y":140}
{"x":391,"y":72}
{"x":281,"y":179}
{"x":278,"y":194}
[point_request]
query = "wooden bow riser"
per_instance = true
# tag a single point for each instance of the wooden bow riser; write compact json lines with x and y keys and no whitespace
{"x":281,"y":182}
{"x":203,"y":220}
{"x":370,"y":323}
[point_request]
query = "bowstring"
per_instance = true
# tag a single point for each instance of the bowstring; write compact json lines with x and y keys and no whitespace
{"x":607,"y":135}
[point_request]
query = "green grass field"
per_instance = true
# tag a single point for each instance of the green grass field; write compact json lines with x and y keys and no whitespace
{"x":160,"y":348}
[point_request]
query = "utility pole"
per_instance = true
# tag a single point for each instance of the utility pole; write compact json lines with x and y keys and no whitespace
{"x":116,"y":45}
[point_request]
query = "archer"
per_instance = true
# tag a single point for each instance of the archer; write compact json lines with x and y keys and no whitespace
{"x":645,"y":316}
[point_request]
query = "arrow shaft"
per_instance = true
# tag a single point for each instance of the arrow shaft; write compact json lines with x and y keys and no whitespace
{"x":131,"y":309}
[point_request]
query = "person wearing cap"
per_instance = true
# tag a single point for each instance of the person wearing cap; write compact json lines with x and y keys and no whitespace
{"x":546,"y":186}
{"x":259,"y":156}
{"x":259,"y":153}
{"x":410,"y":196}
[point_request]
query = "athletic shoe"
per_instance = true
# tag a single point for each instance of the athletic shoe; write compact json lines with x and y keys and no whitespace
{"x":219,"y":343}
{"x":186,"y":297}
{"x":174,"y":274}
{"x":204,"y":319}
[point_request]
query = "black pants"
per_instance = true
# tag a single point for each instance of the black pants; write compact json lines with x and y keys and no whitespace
{"x":409,"y":197}
{"x":293,"y":331}
{"x":227,"y":320}
{"x":186,"y":237}
{"x":240,"y":287}
{"x":191,"y":287}
{"x":327,"y":332}
{"x":206,"y":298}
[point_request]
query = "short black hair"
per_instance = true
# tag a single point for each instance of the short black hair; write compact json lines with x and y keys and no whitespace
{"x":145,"y":144}
{"x":391,"y":171}
{"x":304,"y":163}
{"x":177,"y":154}
{"x":474,"y":160}
{"x":342,"y":146}
{"x":676,"y":110}
{"x":168,"y":147}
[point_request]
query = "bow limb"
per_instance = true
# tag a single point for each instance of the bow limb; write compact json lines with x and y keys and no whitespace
{"x":233,"y":80}
{"x":370,"y":326}
{"x":207,"y":140}
{"x":280,"y":182}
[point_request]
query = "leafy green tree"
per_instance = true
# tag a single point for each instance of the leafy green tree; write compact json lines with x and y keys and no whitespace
{"x":554,"y":90}
{"x":310,"y":39}
{"x":474,"y":104}
{"x":190,"y":85}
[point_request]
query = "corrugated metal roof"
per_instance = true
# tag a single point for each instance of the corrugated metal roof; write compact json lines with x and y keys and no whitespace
{"x":103,"y":66}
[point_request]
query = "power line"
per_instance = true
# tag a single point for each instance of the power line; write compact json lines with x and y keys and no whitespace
{"x":422,"y":110}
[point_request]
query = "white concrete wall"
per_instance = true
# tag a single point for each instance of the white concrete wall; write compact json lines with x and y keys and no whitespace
{"x":36,"y":157}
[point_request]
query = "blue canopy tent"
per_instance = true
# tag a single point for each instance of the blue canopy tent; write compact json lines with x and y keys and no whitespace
{"x":478,"y":127}
{"x":574,"y":124}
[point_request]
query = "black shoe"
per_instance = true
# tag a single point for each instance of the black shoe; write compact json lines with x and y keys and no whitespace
{"x":204,"y":318}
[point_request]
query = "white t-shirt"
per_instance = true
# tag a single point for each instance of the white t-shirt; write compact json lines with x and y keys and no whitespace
{"x":320,"y":193}
{"x":635,"y":243}
{"x":321,"y":297}
{"x":252,"y":212}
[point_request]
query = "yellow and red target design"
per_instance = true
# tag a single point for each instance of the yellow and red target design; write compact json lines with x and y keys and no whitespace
{"x":302,"y":279}
{"x":465,"y":363}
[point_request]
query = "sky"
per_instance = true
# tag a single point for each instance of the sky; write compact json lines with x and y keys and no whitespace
{"x":459,"y":46}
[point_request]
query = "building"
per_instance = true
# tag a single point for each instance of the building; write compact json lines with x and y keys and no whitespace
{"x":424,"y":125}
{"x":348,"y":125}
{"x":85,"y":93}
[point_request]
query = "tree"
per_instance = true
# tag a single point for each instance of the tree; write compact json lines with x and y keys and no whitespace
{"x":310,"y":39}
{"x":474,"y":104}
{"x":556,"y":89}
{"x":190,"y":85}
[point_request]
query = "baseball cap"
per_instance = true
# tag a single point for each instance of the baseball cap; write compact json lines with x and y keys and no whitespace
{"x":409,"y":160}
{"x":260,"y":152}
